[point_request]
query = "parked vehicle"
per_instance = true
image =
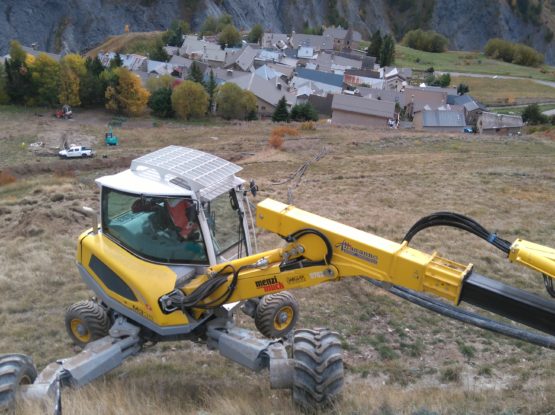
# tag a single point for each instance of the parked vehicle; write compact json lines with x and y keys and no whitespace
{"x":76,"y":151}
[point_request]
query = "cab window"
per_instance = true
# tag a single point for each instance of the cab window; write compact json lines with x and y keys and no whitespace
{"x":161,"y":229}
{"x":225,"y":222}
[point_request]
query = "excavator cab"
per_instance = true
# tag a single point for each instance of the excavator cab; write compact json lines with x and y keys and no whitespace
{"x":161,"y":214}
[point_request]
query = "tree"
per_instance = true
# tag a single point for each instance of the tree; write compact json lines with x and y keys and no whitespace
{"x":92,"y":86}
{"x":18,"y":76}
{"x":281,"y":112}
{"x":189,"y":100}
{"x":157,"y":53}
{"x":428,"y":41}
{"x":72,"y":70}
{"x":209,"y":27}
{"x":304,"y":112}
{"x":229,"y":36}
{"x":4,"y":98}
{"x":463,"y":89}
{"x":375,"y":45}
{"x":158,"y":82}
{"x":45,"y":75}
{"x":195,"y":74}
{"x":387,"y":52}
{"x":211,"y":87}
{"x":174,"y":35}
{"x":533,"y":115}
{"x":116,"y":61}
{"x":256,"y":33}
{"x":127,"y":96}
{"x":161,"y":103}
{"x":234,"y":103}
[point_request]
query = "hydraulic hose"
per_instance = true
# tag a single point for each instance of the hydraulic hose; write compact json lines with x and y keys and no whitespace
{"x":467,"y":316}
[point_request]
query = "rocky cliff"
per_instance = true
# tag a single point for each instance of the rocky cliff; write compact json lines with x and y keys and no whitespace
{"x":80,"y":24}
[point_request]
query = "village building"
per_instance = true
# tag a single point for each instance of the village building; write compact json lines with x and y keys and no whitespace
{"x":499,"y":124}
{"x":353,"y":110}
{"x":447,"y":120}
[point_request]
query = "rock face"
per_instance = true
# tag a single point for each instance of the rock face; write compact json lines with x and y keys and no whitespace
{"x":81,"y":24}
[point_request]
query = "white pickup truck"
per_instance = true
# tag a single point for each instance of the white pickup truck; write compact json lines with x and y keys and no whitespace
{"x":76,"y":151}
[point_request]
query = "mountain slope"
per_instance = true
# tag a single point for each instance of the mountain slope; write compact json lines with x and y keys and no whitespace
{"x":81,"y":24}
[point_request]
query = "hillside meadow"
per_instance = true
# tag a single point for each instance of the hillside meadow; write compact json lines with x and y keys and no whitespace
{"x":399,"y":358}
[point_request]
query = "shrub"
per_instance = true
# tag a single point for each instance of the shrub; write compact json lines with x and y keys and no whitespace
{"x":286,"y":130}
{"x":533,"y":115}
{"x":276,"y":141}
{"x":428,"y":41}
{"x":310,"y":126}
{"x":304,"y":112}
{"x":516,"y":53}
{"x":6,"y":178}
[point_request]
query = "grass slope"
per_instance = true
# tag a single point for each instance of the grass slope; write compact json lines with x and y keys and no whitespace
{"x":134,"y":42}
{"x":399,"y":358}
{"x":467,"y":62}
{"x":506,"y":91}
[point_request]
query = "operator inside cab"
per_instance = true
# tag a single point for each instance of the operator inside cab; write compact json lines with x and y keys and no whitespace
{"x":161,"y":229}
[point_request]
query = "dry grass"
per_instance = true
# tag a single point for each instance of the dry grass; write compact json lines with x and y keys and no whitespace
{"x":399,"y":358}
{"x":120,"y":43}
{"x":506,"y":91}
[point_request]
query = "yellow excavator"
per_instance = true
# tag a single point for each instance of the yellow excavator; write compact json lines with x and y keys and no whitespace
{"x":173,"y":258}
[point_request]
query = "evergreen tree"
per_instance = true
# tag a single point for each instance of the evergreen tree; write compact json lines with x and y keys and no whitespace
{"x":375,"y":46}
{"x":211,"y":89}
{"x":161,"y":103}
{"x":387,"y":51}
{"x":195,"y":74}
{"x":281,"y":113}
{"x":91,"y":90}
{"x":116,"y":62}
{"x":157,"y":53}
{"x":4,"y":98}
{"x":304,"y":112}
{"x":463,"y":89}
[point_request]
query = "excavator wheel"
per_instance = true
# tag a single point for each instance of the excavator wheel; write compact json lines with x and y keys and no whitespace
{"x":15,"y":370}
{"x":318,"y":373}
{"x":86,"y":321}
{"x":276,"y":314}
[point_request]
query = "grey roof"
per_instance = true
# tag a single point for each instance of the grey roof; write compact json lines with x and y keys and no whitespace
{"x":491,"y":120}
{"x":340,"y":33}
{"x":322,"y":77}
{"x":438,"y":118}
{"x":315,"y":41}
{"x":266,"y":90}
{"x":270,"y":39}
{"x":329,"y":60}
{"x":35,"y":53}
{"x":366,"y":106}
{"x":227,"y":74}
{"x":181,"y":61}
{"x":284,"y":69}
{"x":246,"y":57}
{"x":384,"y":94}
{"x":464,"y":100}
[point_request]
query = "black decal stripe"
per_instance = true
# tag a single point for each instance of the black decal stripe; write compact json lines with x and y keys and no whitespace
{"x":111,"y":279}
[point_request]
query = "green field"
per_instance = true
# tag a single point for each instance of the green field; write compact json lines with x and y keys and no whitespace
{"x":517,"y":110}
{"x":467,"y":62}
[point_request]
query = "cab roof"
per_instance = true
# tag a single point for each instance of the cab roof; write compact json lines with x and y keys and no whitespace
{"x":176,"y":171}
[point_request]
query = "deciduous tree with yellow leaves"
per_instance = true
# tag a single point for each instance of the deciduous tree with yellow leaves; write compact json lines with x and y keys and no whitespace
{"x":72,"y":70}
{"x":126,"y":95}
{"x":190,"y":100}
{"x":45,"y":75}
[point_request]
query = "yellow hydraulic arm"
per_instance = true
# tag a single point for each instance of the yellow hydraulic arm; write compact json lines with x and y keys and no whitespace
{"x":321,"y":250}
